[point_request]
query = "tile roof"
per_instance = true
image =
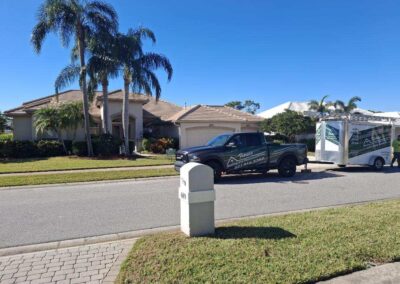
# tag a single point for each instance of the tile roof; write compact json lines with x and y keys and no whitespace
{"x":70,"y":96}
{"x":214,"y":113}
{"x":159,"y":109}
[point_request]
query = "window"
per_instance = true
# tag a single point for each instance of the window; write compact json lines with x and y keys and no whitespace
{"x":253,"y":140}
{"x":237,"y":140}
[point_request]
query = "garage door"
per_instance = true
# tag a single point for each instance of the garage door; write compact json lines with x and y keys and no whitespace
{"x":198,"y":136}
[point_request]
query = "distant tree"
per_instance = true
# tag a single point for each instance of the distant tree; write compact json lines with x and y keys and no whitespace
{"x":341,"y":107}
{"x":321,"y":107}
{"x":248,"y":106}
{"x":3,"y":122}
{"x":289,"y":124}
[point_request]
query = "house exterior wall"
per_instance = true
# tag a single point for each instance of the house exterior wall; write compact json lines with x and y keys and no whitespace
{"x":135,"y":110}
{"x":23,"y":128}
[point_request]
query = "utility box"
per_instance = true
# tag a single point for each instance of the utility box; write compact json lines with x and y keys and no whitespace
{"x":197,"y":196}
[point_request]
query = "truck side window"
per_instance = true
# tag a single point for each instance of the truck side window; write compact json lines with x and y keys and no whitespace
{"x":237,"y":140}
{"x":253,"y":140}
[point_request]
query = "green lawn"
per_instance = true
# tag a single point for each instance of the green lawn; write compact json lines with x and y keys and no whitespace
{"x":294,"y":248}
{"x":73,"y":163}
{"x":83,"y":177}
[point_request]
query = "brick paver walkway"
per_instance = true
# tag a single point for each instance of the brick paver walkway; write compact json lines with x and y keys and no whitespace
{"x":97,"y":263}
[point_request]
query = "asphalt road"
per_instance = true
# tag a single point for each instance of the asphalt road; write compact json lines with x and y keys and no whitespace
{"x":37,"y":215}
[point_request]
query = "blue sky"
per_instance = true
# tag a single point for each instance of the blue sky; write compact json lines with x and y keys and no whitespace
{"x":223,"y":50}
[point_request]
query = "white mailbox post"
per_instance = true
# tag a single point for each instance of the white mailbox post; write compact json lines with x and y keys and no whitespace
{"x":197,"y":196}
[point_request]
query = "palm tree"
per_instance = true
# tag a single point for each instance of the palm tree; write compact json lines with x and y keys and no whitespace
{"x":138,"y":70}
{"x":341,"y":107}
{"x":48,"y":120}
{"x":71,"y":116}
{"x":80,"y":19}
{"x":103,"y":65}
{"x":321,"y":106}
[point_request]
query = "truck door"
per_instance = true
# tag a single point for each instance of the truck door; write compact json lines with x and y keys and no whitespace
{"x":250,"y":154}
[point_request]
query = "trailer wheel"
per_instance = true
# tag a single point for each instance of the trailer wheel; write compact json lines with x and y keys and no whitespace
{"x":287,"y":167}
{"x":379,"y":163}
{"x":217,"y":170}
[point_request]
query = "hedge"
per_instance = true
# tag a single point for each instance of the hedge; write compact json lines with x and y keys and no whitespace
{"x":30,"y":149}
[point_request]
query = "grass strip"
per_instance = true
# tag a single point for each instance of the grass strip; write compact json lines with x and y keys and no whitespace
{"x":75,"y":163}
{"x":83,"y":177}
{"x":294,"y":248}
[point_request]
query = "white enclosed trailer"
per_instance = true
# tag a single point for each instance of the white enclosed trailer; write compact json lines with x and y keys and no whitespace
{"x":356,"y":140}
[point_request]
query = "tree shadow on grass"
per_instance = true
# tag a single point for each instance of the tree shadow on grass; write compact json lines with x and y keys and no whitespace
{"x":238,"y":232}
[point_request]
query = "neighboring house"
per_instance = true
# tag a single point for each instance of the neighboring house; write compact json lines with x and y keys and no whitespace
{"x":193,"y":126}
{"x":200,"y":123}
{"x":301,"y":107}
{"x":393,"y":114}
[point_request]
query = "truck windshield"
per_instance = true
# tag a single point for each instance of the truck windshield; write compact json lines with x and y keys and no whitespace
{"x":219,"y":140}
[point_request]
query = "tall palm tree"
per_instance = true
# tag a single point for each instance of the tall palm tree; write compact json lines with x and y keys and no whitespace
{"x":103,"y":65}
{"x":138,"y":70}
{"x":321,"y":106}
{"x":341,"y":107}
{"x":80,"y":19}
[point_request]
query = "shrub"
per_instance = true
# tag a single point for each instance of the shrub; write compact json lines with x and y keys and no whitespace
{"x":6,"y":137}
{"x":146,"y":143}
{"x":106,"y":145}
{"x":79,"y":148}
{"x":24,"y":149}
{"x":7,"y":149}
{"x":50,"y":148}
{"x":161,"y":145}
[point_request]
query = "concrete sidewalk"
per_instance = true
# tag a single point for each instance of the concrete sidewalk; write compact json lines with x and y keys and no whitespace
{"x":89,"y":170}
{"x":97,"y":263}
{"x":383,"y":274}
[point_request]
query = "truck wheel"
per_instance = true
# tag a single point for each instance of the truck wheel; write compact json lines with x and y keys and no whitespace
{"x":287,"y":167}
{"x":217,"y":170}
{"x":378,"y":165}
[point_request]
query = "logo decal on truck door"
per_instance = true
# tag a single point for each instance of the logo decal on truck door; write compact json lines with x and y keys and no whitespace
{"x":243,"y":160}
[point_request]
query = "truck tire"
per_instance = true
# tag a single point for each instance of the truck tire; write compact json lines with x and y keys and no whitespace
{"x":287,"y":167}
{"x":217,"y":170}
{"x":379,"y":163}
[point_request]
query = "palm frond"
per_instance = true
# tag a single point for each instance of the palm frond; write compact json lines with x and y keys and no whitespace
{"x":105,"y":9}
{"x":142,"y":33}
{"x":66,"y":77}
{"x":154,"y":61}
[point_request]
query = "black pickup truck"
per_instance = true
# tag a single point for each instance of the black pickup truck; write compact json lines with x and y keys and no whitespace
{"x":243,"y":152}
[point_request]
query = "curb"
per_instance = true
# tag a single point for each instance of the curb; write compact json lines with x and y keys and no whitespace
{"x":140,"y":233}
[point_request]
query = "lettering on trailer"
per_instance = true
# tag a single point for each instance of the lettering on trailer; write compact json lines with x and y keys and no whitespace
{"x":243,"y":160}
{"x":369,"y":140}
{"x":332,"y":134}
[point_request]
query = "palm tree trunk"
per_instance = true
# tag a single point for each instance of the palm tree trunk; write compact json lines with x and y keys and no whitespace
{"x":62,"y":141}
{"x":105,"y":126}
{"x":125,"y":115}
{"x":82,"y":81}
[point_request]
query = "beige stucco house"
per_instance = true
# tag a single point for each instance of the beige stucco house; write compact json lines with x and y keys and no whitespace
{"x":193,"y":125}
{"x":200,"y":123}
